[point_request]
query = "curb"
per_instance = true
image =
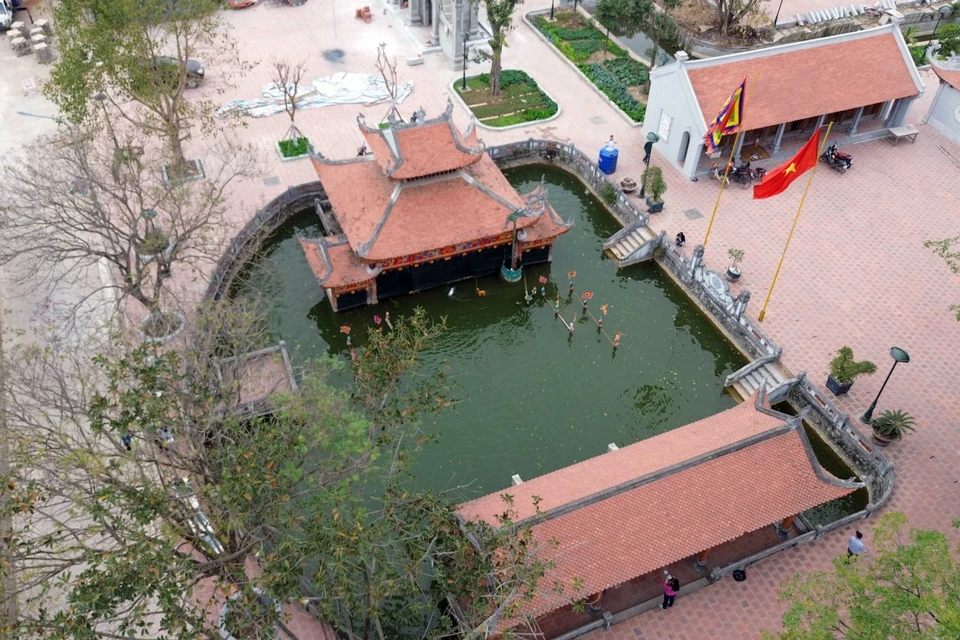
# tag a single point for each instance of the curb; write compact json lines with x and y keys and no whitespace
{"x":519,"y":125}
{"x":596,"y":89}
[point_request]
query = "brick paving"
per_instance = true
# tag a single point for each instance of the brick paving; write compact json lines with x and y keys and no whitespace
{"x":856,"y":274}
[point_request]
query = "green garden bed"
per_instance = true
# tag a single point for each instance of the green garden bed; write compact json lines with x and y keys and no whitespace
{"x":291,"y":149}
{"x":520,"y":99}
{"x":610,"y":68}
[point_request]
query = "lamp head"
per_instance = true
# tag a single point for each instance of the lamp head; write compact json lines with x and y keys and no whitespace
{"x":945,"y":10}
{"x":899,"y":354}
{"x":149,"y":214}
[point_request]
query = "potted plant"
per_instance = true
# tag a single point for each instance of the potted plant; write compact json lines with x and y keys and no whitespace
{"x":733,"y":271}
{"x":890,"y":426}
{"x":844,"y":369}
{"x":655,"y":186}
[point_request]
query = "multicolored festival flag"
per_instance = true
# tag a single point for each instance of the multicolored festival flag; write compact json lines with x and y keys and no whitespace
{"x":728,"y":120}
{"x":778,"y":180}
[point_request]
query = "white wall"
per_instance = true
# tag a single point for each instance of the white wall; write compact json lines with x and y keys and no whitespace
{"x":943,"y":112}
{"x":670,"y":94}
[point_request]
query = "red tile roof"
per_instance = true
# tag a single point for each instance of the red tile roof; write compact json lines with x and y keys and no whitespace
{"x":807,"y":79}
{"x":340,"y":267}
{"x":623,"y":514}
{"x":616,"y":467}
{"x":421,"y":150}
{"x":950,"y":76}
{"x":612,"y":541}
{"x":359,"y":194}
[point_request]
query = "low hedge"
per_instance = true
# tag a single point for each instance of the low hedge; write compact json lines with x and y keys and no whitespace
{"x":613,"y":77}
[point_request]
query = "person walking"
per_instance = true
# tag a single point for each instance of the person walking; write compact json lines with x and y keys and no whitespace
{"x":671,"y":587}
{"x":855,"y":545}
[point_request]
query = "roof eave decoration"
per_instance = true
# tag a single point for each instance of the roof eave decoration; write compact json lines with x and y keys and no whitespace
{"x":317,"y":156}
{"x":324,"y":256}
{"x":537,"y":202}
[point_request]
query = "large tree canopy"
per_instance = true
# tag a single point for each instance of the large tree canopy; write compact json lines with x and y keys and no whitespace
{"x":500,"y":17}
{"x":908,"y":588}
{"x":140,"y":485}
{"x":114,"y":50}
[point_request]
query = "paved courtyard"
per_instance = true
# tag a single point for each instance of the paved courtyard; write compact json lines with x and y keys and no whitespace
{"x":856,"y":274}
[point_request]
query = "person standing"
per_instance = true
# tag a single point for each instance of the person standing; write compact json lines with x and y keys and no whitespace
{"x":671,"y":587}
{"x":855,"y":545}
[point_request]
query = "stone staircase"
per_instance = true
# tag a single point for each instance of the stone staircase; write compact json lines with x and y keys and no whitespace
{"x":624,"y":246}
{"x":746,"y":385}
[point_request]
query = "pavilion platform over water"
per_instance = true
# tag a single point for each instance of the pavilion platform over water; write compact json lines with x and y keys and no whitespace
{"x":422,"y":206}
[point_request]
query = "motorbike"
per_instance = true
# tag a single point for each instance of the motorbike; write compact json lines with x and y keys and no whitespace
{"x":837,"y":159}
{"x":743,"y":175}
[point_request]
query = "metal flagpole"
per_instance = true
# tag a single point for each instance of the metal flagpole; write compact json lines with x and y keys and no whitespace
{"x":726,"y":170}
{"x":763,"y":312}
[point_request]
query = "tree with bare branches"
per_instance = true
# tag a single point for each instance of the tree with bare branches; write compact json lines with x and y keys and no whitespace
{"x":87,"y":199}
{"x":388,"y":71}
{"x":288,"y":78}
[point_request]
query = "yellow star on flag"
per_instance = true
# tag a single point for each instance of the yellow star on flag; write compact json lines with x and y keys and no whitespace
{"x":791,"y":169}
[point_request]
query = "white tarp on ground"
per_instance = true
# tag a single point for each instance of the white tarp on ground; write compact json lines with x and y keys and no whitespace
{"x":341,"y":88}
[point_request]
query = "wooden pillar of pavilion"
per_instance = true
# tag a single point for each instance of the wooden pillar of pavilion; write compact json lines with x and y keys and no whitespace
{"x":782,"y":529}
{"x":700,"y":561}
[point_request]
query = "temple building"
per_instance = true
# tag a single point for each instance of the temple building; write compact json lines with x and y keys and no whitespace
{"x":700,"y":497}
{"x":423,"y":206}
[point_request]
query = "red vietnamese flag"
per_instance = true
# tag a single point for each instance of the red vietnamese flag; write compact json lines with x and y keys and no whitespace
{"x":777,"y":181}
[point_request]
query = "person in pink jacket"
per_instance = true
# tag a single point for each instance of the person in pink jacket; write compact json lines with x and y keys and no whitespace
{"x":670,"y":590}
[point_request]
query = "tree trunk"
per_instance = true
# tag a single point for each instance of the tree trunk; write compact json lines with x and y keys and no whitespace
{"x":178,"y":161}
{"x":495,"y":67}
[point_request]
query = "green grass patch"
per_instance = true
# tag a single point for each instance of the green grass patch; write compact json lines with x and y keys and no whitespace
{"x":520,"y":99}
{"x":613,"y":77}
{"x":289,"y":149}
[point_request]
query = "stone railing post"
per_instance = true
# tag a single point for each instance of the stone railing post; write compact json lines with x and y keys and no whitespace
{"x":740,"y":304}
{"x":695,"y":262}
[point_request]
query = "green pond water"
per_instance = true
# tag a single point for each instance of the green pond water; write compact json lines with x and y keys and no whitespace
{"x":534,"y":398}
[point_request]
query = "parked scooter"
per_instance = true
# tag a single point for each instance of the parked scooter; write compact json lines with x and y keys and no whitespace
{"x":743,"y":175}
{"x":837,"y":159}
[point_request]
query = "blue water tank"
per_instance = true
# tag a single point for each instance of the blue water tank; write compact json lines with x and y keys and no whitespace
{"x":608,"y":159}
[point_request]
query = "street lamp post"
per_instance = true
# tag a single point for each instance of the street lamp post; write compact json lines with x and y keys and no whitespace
{"x":943,"y":12}
{"x":778,"y":14}
{"x":551,"y":9}
{"x":647,"y":152}
{"x":464,"y":35}
{"x":898,"y":355}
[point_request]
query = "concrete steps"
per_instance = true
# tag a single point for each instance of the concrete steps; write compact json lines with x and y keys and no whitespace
{"x":771,"y":374}
{"x":632,"y":242}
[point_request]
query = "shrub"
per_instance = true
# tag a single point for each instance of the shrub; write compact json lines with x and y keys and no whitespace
{"x":893,"y":424}
{"x":609,"y":193}
{"x":586,"y":48}
{"x":614,"y":89}
{"x":154,"y":241}
{"x":513,"y":77}
{"x":844,"y":368}
{"x":919,"y":54}
{"x":628,"y":71}
{"x":585,"y":33}
{"x":654,"y":183}
{"x":289,"y":149}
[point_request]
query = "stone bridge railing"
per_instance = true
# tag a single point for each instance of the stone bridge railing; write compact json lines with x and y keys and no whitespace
{"x":245,"y":244}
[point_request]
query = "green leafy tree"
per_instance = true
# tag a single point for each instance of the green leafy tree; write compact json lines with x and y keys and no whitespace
{"x":137,"y":52}
{"x":144,"y":483}
{"x":949,"y":250}
{"x":500,"y":17}
{"x":627,"y":18}
{"x":908,"y":588}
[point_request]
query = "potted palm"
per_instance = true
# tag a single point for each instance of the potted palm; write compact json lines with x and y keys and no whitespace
{"x":655,"y":186}
{"x":890,"y":426}
{"x":733,"y":271}
{"x":844,"y":370}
